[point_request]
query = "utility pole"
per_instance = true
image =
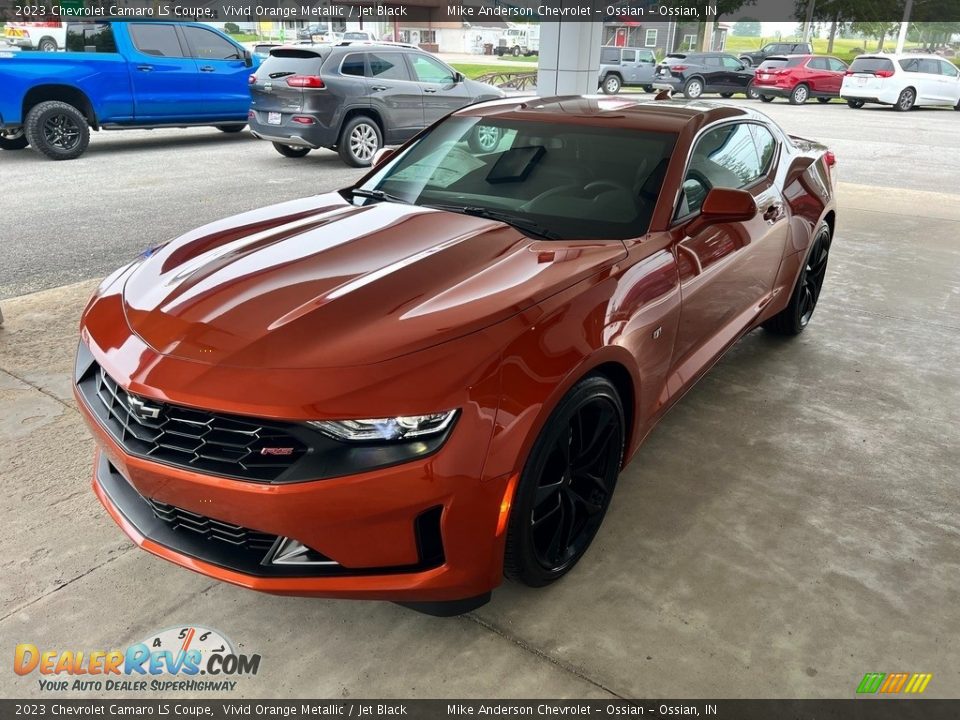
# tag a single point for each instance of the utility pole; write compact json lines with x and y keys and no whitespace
{"x":808,"y":21}
{"x":902,"y":38}
{"x":706,"y":42}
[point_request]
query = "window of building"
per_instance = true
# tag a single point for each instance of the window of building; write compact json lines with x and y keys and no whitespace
{"x":650,"y":40}
{"x":689,"y":41}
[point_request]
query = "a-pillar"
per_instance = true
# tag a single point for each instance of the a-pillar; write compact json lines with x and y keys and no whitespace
{"x":569,"y":56}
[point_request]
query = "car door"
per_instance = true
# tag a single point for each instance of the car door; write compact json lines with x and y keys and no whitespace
{"x":714,"y":74}
{"x":817,"y":75}
{"x":646,"y":64}
{"x":727,"y":271}
{"x":951,"y":82}
{"x":162,"y":77}
{"x":222,"y":73}
{"x":394,"y":95}
{"x":927,"y":78}
{"x":836,"y":71}
{"x":736,"y":75}
{"x":442,"y":92}
{"x":628,"y":64}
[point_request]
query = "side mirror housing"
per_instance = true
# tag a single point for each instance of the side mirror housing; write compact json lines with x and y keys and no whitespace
{"x":382,"y":155}
{"x":723,"y":205}
{"x":247,"y":58}
{"x":458,"y":78}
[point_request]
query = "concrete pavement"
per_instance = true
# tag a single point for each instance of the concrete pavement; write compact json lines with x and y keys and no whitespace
{"x":790,"y":525}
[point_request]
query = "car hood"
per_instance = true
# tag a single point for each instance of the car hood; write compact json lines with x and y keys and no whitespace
{"x":321,"y":283}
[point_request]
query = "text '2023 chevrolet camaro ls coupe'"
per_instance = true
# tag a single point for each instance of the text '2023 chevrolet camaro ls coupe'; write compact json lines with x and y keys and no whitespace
{"x":410,"y":388}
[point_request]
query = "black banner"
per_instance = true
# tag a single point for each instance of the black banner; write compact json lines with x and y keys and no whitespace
{"x":420,"y":11}
{"x":853,"y":709}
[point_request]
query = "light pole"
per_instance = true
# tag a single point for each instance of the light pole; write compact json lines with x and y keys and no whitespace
{"x":902,"y":37}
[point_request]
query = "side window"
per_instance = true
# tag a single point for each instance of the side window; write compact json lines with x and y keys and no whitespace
{"x":731,"y":63}
{"x":156,"y":40}
{"x":387,"y":66}
{"x":817,"y":64}
{"x":766,"y":146}
{"x":90,"y":37}
{"x":726,"y":157}
{"x":630,"y":56}
{"x":948,"y":68}
{"x":429,"y":70}
{"x":712,"y":61}
{"x":910,"y":65}
{"x":837,"y":65}
{"x":207,"y":45}
{"x":353,"y":64}
{"x":931,"y":67}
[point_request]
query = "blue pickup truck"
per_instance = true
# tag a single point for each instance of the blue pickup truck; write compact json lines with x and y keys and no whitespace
{"x":119,"y":75}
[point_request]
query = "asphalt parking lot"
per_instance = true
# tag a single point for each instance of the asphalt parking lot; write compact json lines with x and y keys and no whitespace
{"x":789,"y":526}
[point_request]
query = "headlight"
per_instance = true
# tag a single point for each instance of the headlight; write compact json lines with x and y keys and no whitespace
{"x":395,"y":428}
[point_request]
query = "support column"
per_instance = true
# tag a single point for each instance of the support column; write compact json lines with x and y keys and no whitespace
{"x":569,"y":57}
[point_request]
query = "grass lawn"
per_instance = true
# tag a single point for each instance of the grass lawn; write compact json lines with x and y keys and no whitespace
{"x":472,"y":70}
{"x":842,"y":47}
{"x":245,"y":37}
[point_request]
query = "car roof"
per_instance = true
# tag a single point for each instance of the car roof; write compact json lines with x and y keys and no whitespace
{"x":899,"y":56}
{"x":638,"y":113}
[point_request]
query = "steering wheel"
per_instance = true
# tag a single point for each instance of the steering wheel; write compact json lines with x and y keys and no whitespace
{"x":598,"y":186}
{"x":559,"y":190}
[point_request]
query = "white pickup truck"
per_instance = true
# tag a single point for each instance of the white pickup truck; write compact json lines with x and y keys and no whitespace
{"x":46,"y":36}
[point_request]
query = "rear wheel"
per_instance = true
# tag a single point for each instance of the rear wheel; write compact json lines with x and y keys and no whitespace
{"x":14,"y":139}
{"x":799,"y":95}
{"x":908,"y":96}
{"x":650,"y":89}
{"x":290,"y":151}
{"x":566,"y":484}
{"x":516,"y":52}
{"x":752,"y":91}
{"x":611,"y":85}
{"x":484,"y":139}
{"x":823,"y":101}
{"x":57,"y":129}
{"x":47,"y":44}
{"x":359,"y":141}
{"x":766,"y":98}
{"x":231,"y":128}
{"x":693,"y":89}
{"x":794,"y":318}
{"x":855,"y":104}
{"x":726,"y":95}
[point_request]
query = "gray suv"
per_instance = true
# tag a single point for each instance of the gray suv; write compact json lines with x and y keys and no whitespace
{"x":777,"y":48}
{"x":621,"y":66}
{"x":353,"y":98}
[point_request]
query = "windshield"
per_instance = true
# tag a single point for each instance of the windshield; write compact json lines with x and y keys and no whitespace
{"x":557,"y":180}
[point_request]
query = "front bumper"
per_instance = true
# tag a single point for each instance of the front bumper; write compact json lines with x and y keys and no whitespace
{"x":424,"y":531}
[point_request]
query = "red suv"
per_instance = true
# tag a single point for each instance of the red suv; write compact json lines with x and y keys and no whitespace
{"x":799,"y":78}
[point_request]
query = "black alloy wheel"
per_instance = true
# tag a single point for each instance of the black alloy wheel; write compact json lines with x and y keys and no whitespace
{"x":13,"y":139}
{"x":855,"y":104}
{"x":61,"y":132}
{"x":567,"y":484}
{"x":795,"y":317}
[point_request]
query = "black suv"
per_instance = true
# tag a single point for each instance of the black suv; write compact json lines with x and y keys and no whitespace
{"x":354,"y":98}
{"x":697,"y":73}
{"x":777,"y":48}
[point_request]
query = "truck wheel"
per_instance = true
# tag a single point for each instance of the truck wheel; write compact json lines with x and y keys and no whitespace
{"x":57,"y":129}
{"x":47,"y":44}
{"x":611,"y":85}
{"x":516,"y":51}
{"x":359,"y":141}
{"x":290,"y":151}
{"x":231,"y":128}
{"x":13,"y":139}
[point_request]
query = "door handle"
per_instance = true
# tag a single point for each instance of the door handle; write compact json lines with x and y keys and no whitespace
{"x":378,"y":88}
{"x":207,"y":68}
{"x":774,"y":212}
{"x":429,"y":90}
{"x":145,"y":68}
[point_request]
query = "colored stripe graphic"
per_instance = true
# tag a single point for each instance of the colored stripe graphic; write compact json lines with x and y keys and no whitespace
{"x":893,"y":683}
{"x":871,"y":682}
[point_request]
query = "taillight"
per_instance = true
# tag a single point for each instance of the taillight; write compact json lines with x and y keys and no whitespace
{"x":252,"y":79}
{"x":680,"y":68}
{"x":830,"y":158}
{"x":251,"y":115}
{"x":883,"y":73}
{"x":303,"y":119}
{"x":305,"y":81}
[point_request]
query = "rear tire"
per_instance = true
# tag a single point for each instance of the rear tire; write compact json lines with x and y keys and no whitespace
{"x":823,"y":101}
{"x":752,"y":91}
{"x":803,"y":300}
{"x":650,"y":89}
{"x":47,"y":44}
{"x":13,"y":139}
{"x":693,"y":89}
{"x":766,"y":98}
{"x":855,"y":104}
{"x":359,"y":141}
{"x":57,"y":129}
{"x":231,"y":128}
{"x":566,"y":484}
{"x":799,"y":95}
{"x":290,"y":151}
{"x":611,"y":85}
{"x":726,"y":95}
{"x":908,"y":96}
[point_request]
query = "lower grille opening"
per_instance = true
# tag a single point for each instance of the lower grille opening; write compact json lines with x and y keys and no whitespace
{"x":429,"y":538}
{"x":217,"y":530}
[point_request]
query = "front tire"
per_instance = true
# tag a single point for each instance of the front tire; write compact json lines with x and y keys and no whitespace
{"x":693,"y":89}
{"x":752,"y":91}
{"x":799,"y":95}
{"x":766,"y":98}
{"x":908,"y":96}
{"x":650,"y":89}
{"x":611,"y":85}
{"x":855,"y":104}
{"x":566,"y":485}
{"x":14,"y":139}
{"x":290,"y":151}
{"x":57,"y":129}
{"x":726,"y":95}
{"x":359,"y":141}
{"x":803,"y":301}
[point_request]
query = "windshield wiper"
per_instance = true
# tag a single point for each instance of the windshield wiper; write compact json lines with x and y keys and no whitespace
{"x":523,"y":224}
{"x":377,"y":195}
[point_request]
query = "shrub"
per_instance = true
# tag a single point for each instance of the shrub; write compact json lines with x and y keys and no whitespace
{"x":231,"y":28}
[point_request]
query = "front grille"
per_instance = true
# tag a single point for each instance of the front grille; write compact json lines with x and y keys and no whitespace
{"x":178,"y":518}
{"x":195,"y":439}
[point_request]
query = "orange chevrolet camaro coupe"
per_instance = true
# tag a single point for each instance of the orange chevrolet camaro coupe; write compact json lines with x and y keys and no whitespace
{"x":409,"y":388}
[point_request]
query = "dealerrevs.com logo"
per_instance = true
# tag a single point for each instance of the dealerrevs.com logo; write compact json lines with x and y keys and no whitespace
{"x":188,"y":659}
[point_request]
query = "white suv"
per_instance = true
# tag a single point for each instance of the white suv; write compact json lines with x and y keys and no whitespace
{"x":903,"y":81}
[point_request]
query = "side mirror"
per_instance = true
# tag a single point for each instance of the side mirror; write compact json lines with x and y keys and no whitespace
{"x":458,"y":77}
{"x":723,"y":205}
{"x":382,"y":155}
{"x":247,"y":58}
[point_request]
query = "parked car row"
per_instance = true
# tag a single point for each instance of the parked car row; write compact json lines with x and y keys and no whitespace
{"x":352,"y":97}
{"x":902,"y":81}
